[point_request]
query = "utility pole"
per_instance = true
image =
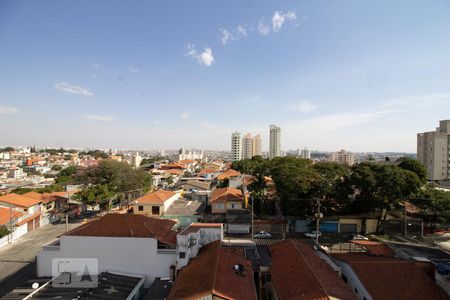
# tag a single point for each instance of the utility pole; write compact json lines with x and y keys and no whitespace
{"x":317,"y":220}
{"x":405,"y":221}
{"x":251,"y":197}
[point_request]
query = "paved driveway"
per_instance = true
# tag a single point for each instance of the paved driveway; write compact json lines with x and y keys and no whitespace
{"x":23,"y":251}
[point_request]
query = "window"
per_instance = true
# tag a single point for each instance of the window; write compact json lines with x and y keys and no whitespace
{"x":155,"y":210}
{"x":182,"y":254}
{"x":356,"y":290}
{"x":140,"y":208}
{"x":344,"y":278}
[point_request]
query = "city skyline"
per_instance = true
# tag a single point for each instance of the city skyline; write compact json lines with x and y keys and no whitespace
{"x":334,"y":76}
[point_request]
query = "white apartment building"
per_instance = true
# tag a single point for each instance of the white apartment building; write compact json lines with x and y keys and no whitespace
{"x":343,"y":157}
{"x":275,"y":141}
{"x":136,"y":160}
{"x":236,"y":146}
{"x":184,"y":154}
{"x":433,"y":150}
{"x":305,"y":153}
{"x":251,"y":146}
{"x":16,"y":173}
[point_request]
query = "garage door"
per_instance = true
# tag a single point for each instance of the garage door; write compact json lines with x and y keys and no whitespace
{"x":238,"y":228}
{"x":349,"y":228}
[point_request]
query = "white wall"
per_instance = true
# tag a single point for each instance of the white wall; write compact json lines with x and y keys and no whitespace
{"x":170,"y":201}
{"x":133,"y":255}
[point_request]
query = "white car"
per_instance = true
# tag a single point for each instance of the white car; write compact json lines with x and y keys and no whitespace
{"x":359,"y":237}
{"x":262,"y":235}
{"x":313,"y":234}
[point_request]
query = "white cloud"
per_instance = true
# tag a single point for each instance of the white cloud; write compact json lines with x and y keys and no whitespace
{"x":303,"y":106}
{"x":184,"y":115}
{"x":263,"y":29}
{"x":279,"y":18}
{"x":241,"y":31}
{"x":73,"y":89}
{"x":422,"y":101}
{"x":204,"y":58}
{"x":226,"y":36}
{"x":133,"y":70}
{"x":7,"y":110}
{"x":102,"y":118}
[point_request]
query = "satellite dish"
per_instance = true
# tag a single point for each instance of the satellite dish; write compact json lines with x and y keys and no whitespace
{"x":35,"y":285}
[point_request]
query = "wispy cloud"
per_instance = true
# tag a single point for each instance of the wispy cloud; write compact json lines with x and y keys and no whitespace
{"x":303,"y":106}
{"x":241,"y":31}
{"x":279,"y":18}
{"x":73,"y":89}
{"x":133,"y":70}
{"x":421,"y":101}
{"x":226,"y":36}
{"x":205,"y":58}
{"x":7,"y":110}
{"x":263,"y":29}
{"x":184,"y":115}
{"x":156,"y":122}
{"x":102,"y":118}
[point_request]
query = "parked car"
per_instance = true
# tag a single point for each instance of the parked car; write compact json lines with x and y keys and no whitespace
{"x":313,"y":234}
{"x":358,"y":237}
{"x":262,"y":235}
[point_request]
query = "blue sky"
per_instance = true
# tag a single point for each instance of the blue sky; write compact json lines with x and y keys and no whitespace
{"x":359,"y":75}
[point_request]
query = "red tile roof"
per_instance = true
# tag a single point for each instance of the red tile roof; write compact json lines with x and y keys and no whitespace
{"x":227,"y":194}
{"x":212,"y":273}
{"x":175,"y":171}
{"x":227,"y":174}
{"x":374,"y":248}
{"x":206,"y":171}
{"x":6,"y":215}
{"x":158,"y":197}
{"x":194,"y":227}
{"x":299,"y":273}
{"x":19,"y":200}
{"x":128,"y":225}
{"x":387,"y":278}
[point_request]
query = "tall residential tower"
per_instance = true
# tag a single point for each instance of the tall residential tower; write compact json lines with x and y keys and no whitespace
{"x":236,"y":146}
{"x":275,"y":141}
{"x":433,"y":150}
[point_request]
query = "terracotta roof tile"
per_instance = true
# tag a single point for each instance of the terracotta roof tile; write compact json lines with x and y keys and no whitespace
{"x":158,"y":197}
{"x":33,"y":216}
{"x":19,"y":200}
{"x":387,"y":278}
{"x":212,"y":273}
{"x":227,"y":194}
{"x":298,"y":273}
{"x":227,"y":174}
{"x":128,"y":225}
{"x":6,"y":215}
{"x":374,"y":248}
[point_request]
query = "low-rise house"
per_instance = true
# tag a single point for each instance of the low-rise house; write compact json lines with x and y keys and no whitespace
{"x":299,"y":273}
{"x":197,"y":185}
{"x":154,"y":203}
{"x":208,"y":173}
{"x":191,"y":239}
{"x":9,"y":217}
{"x":216,"y":273}
{"x":127,"y":243}
{"x":217,"y":166}
{"x":226,"y":198}
{"x":382,"y":277}
{"x":31,"y":208}
{"x":230,"y":178}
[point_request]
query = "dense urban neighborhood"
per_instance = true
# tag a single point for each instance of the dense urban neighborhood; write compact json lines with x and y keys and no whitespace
{"x":267,"y":226}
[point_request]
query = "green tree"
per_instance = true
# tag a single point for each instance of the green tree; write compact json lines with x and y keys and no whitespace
{"x":415,"y":166}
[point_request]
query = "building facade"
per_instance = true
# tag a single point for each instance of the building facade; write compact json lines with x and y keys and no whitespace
{"x":433,"y":150}
{"x":251,"y":146}
{"x":343,"y":157}
{"x":275,"y":141}
{"x":236,"y":146}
